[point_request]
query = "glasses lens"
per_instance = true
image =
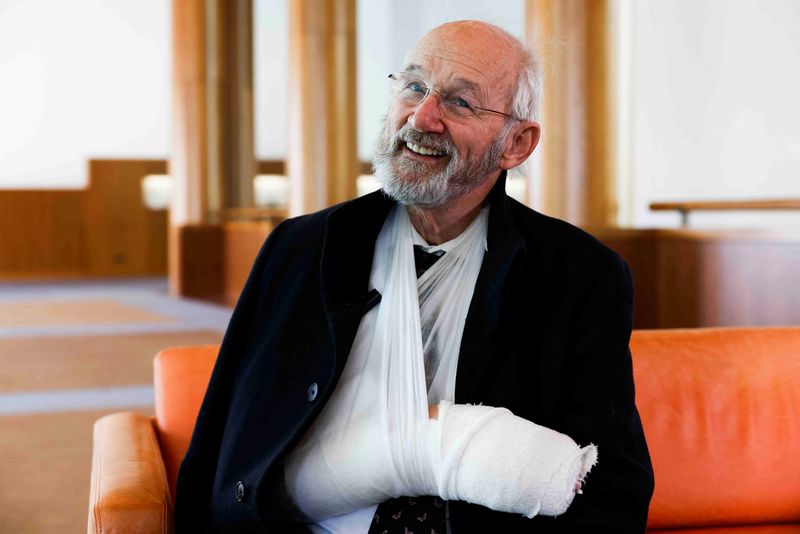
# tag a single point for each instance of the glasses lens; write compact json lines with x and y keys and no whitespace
{"x":411,"y":91}
{"x":457,"y":107}
{"x":408,"y":89}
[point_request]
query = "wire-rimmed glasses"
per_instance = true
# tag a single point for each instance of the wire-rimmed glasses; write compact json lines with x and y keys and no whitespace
{"x":411,"y":90}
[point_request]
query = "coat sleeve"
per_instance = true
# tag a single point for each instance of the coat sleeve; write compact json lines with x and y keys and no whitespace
{"x":599,"y":408}
{"x":199,"y":466}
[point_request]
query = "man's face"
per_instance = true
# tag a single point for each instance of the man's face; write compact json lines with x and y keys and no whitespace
{"x":425,"y":156}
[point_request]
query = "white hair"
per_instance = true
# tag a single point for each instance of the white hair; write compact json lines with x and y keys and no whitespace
{"x":528,"y":91}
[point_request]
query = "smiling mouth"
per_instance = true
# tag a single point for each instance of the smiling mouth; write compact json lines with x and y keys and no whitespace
{"x":424,"y":151}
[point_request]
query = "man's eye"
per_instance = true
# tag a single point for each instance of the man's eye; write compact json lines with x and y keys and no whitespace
{"x":461,"y":103}
{"x":415,"y":87}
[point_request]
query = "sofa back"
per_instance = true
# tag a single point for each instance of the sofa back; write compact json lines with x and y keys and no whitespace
{"x":720,"y":409}
{"x":721,"y":413}
{"x":181,"y":376}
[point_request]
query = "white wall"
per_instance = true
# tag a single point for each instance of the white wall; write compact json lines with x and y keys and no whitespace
{"x":271,"y":77}
{"x":715,"y":107}
{"x":81,"y":79}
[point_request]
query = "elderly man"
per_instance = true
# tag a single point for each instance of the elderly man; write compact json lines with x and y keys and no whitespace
{"x":435,"y":357}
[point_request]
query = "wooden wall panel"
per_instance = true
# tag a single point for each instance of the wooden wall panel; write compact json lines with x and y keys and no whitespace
{"x":200,"y":273}
{"x":241,"y":243}
{"x":123,"y":237}
{"x":218,"y":258}
{"x":41,"y":232}
{"x":729,"y":279}
{"x":686,"y":278}
{"x":103,"y":230}
{"x":639,"y":249}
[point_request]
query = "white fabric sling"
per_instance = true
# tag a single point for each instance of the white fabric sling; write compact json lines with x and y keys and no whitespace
{"x":374,"y":441}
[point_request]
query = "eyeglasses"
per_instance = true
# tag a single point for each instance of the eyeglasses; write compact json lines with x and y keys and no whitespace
{"x":412,"y":91}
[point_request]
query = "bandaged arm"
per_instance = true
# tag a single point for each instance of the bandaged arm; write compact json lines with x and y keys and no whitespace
{"x":478,"y":454}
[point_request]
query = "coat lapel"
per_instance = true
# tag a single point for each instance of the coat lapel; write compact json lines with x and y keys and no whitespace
{"x":348,"y":247}
{"x":505,"y":247}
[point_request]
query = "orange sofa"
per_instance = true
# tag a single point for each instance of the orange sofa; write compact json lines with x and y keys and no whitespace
{"x":720,"y":408}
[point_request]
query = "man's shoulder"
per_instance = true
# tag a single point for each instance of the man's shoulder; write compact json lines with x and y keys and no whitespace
{"x":301,"y":229}
{"x":309,"y":229}
{"x":556,"y":234}
{"x":563,"y":246}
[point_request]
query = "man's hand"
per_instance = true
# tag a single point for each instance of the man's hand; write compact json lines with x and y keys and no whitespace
{"x":505,"y":462}
{"x":433,"y":413}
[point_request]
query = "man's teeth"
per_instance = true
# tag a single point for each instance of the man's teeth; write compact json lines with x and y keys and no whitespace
{"x":423,"y":150}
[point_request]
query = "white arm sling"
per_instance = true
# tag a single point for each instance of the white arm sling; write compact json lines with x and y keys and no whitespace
{"x":374,"y":440}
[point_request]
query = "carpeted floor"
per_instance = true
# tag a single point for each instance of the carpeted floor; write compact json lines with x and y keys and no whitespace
{"x":57,"y":362}
{"x":72,"y":353}
{"x":75,"y":312}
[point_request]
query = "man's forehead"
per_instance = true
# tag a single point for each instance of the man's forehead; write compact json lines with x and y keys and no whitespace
{"x":466,"y":51}
{"x":430,"y":57}
{"x":455,"y":81}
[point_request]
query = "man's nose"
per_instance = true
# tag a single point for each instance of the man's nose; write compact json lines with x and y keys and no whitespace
{"x":428,"y":116}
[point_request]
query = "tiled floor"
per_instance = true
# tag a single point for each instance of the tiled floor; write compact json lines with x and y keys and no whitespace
{"x":70,"y":353}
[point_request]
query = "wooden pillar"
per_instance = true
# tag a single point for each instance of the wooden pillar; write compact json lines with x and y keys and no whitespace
{"x":322,"y":161}
{"x":188,"y":164}
{"x":577,"y":171}
{"x":602,"y":195}
{"x":212,"y":161}
{"x":233,"y":82}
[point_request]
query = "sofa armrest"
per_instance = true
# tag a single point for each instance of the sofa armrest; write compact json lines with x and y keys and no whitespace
{"x":129,"y":491}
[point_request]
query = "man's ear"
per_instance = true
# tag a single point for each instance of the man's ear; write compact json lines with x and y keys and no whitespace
{"x":522,"y":141}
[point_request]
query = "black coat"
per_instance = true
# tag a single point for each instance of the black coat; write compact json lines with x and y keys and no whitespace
{"x":546,"y":336}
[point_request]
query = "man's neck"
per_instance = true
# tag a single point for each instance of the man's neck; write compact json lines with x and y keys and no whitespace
{"x":441,"y":224}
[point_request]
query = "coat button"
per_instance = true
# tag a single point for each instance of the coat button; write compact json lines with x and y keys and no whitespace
{"x":240,"y":491}
{"x":313,"y":389}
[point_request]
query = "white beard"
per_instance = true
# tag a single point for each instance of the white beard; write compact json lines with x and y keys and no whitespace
{"x":412,"y":183}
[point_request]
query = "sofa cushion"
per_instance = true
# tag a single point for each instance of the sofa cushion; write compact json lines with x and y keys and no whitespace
{"x":181,"y":376}
{"x":721,"y":411}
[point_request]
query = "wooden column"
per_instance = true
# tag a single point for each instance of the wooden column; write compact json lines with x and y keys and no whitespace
{"x":577,"y":171}
{"x":233,"y":82}
{"x":322,"y":162}
{"x":212,"y":161}
{"x":188,"y":163}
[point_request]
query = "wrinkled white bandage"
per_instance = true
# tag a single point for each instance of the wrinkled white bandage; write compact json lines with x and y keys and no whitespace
{"x":477,"y":454}
{"x":491,"y":457}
